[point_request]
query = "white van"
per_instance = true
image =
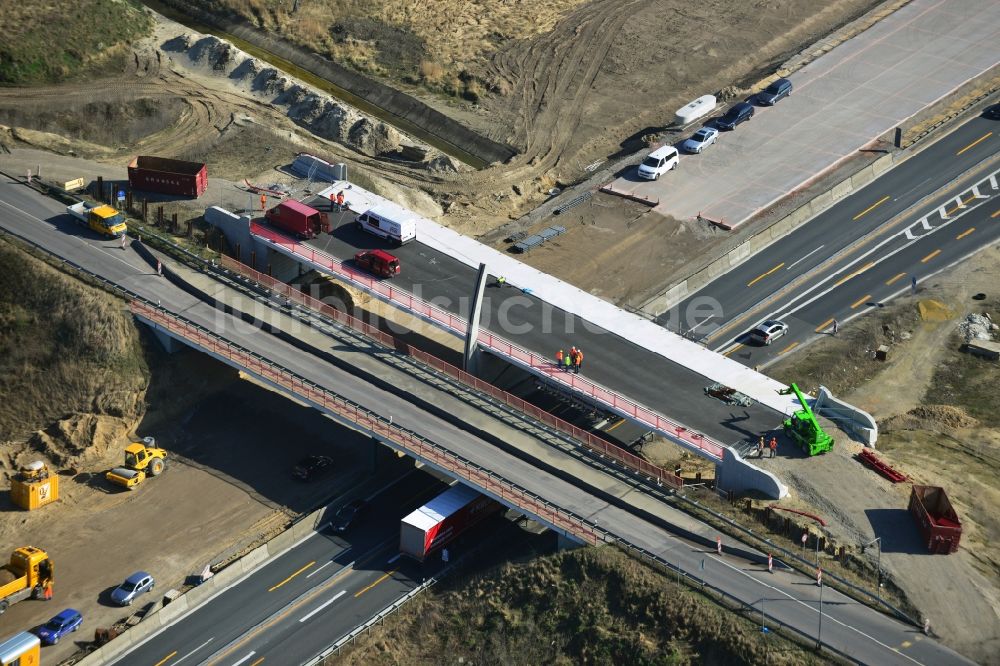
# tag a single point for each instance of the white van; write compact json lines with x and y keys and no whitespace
{"x":389,"y":221}
{"x":659,"y":162}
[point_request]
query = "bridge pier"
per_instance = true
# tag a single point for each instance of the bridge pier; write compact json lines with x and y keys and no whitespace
{"x":469,"y":360}
{"x":167,"y":342}
{"x":566,"y":542}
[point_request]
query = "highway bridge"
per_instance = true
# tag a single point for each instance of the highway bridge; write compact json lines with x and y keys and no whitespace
{"x":571,"y":494}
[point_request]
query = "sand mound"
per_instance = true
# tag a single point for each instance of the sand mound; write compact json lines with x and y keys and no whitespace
{"x":931,"y":310}
{"x":80,"y":438}
{"x":928,"y":417}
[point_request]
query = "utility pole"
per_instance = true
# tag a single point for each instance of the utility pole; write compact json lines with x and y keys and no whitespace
{"x":878,"y":566}
{"x":819,"y":633}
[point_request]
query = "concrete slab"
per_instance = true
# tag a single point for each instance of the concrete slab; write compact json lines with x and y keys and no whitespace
{"x":842,"y":101}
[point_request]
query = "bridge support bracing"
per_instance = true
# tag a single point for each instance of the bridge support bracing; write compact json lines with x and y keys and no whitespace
{"x":169,"y":344}
{"x":472,"y":337}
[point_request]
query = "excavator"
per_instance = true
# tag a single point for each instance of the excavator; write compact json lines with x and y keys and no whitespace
{"x":804,"y":428}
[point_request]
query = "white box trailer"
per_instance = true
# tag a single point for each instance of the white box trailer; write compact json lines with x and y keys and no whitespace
{"x":442,"y":519}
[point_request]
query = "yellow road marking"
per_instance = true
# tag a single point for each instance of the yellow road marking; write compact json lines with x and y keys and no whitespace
{"x":166,"y":659}
{"x":906,"y":644}
{"x":965,"y":233}
{"x":764,"y":275}
{"x":855,"y":273}
{"x":860,"y":301}
{"x":292,"y":576}
{"x":982,"y":138}
{"x":824,"y":325}
{"x":996,"y":214}
{"x":964,"y":201}
{"x":871,"y":208}
{"x":789,"y":348}
{"x":930,"y":256}
{"x":359,"y":593}
{"x":894,"y":278}
{"x":615,"y":425}
{"x":257,"y":662}
{"x":739,"y":346}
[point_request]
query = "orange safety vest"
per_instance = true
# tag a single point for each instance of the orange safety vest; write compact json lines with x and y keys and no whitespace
{"x":559,"y":356}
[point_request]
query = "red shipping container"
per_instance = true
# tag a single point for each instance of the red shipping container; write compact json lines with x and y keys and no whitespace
{"x":442,"y":519}
{"x":936,"y":518}
{"x":160,"y":174}
{"x":297,"y":218}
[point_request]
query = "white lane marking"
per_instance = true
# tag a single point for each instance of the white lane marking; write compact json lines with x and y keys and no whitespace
{"x":310,"y":575}
{"x":691,"y":330}
{"x":804,"y":257}
{"x":194,"y":650}
{"x":246,"y":658}
{"x":394,"y":558}
{"x":322,"y":606}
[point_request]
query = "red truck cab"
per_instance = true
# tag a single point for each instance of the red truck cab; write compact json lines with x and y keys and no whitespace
{"x":378,"y":262}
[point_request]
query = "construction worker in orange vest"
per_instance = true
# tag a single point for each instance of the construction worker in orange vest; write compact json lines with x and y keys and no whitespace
{"x":572,"y":355}
{"x":774,"y":446}
{"x":559,"y":359}
{"x":578,"y":361}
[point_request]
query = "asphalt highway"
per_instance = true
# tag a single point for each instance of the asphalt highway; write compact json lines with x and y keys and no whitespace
{"x":818,"y":255}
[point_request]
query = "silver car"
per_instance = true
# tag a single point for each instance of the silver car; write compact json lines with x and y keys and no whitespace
{"x":137,"y":584}
{"x":701,"y":140}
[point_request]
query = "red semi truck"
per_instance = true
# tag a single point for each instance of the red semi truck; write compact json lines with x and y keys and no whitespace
{"x":160,"y":174}
{"x":939,"y":524}
{"x":297,"y":218}
{"x":442,"y":519}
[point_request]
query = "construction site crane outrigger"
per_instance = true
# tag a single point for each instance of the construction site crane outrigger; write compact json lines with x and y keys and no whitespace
{"x":804,"y":428}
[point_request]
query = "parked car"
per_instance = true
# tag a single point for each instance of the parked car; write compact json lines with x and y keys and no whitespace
{"x":312,"y":467}
{"x":64,"y":623}
{"x":739,"y":113}
{"x":769,"y":331}
{"x":701,"y":140}
{"x":659,"y":162}
{"x":132,"y":587}
{"x":347,"y":515}
{"x":992,"y":112}
{"x":778,"y":90}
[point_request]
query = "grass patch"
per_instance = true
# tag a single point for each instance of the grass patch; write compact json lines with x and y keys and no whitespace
{"x":91,"y":34}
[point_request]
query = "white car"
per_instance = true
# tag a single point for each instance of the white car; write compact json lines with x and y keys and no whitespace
{"x":659,"y":162}
{"x":701,"y":140}
{"x":769,"y":331}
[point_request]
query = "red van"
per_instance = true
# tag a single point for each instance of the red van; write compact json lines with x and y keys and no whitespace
{"x":378,"y":262}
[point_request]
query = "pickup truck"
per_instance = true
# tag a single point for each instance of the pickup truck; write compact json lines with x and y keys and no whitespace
{"x":101,"y":218}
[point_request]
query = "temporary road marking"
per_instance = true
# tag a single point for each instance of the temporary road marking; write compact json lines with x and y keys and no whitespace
{"x":871,"y":208}
{"x":246,"y":658}
{"x":166,"y":659}
{"x":358,"y":594}
{"x":803,"y":257}
{"x":789,"y":348}
{"x":996,"y":214}
{"x":259,"y":661}
{"x":193,"y":651}
{"x":894,"y":278}
{"x":292,"y":576}
{"x":854,"y":274}
{"x":860,"y":301}
{"x":621,"y":421}
{"x":394,"y":558}
{"x":323,"y":605}
{"x":930,"y":256}
{"x":764,"y":275}
{"x":905,"y":644}
{"x":739,"y":346}
{"x":965,"y":233}
{"x":982,"y":138}
{"x":824,"y":325}
{"x":959,"y":205}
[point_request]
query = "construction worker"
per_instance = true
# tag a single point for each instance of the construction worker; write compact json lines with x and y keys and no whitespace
{"x":340,"y":200}
{"x":760,"y":447}
{"x":774,"y":446}
{"x":836,"y":327}
{"x":567,"y":363}
{"x":559,"y":359}
{"x":572,"y":355}
{"x":578,"y":363}
{"x":501,"y":281}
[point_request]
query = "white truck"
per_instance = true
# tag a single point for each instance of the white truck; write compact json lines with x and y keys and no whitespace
{"x":101,"y":218}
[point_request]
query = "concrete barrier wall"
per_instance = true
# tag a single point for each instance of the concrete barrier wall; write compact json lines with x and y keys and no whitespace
{"x":439,"y":127}
{"x":763,"y":238}
{"x":737,"y":475}
{"x":852,"y":419}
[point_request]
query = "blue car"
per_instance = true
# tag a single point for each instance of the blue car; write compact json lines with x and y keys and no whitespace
{"x":66,"y":622}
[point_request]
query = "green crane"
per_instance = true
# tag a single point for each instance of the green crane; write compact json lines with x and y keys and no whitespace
{"x":804,"y":428}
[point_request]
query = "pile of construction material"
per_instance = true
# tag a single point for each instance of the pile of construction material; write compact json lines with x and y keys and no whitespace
{"x":977,"y":327}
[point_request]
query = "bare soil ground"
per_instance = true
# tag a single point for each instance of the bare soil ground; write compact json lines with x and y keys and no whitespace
{"x":937,"y":410}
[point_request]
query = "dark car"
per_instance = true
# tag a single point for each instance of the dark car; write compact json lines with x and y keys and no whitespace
{"x":778,"y":90}
{"x":992,"y":112}
{"x":312,"y":467}
{"x":64,"y":623}
{"x":138,"y":583}
{"x":742,"y":112}
{"x":347,"y":515}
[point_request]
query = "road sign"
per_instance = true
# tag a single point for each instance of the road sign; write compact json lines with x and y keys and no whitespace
{"x":121,"y":195}
{"x":718,"y":544}
{"x":770,"y":564}
{"x":804,"y":538}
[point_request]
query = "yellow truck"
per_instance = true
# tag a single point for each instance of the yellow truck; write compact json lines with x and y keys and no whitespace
{"x":101,"y":218}
{"x":141,"y":459}
{"x":29,"y":574}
